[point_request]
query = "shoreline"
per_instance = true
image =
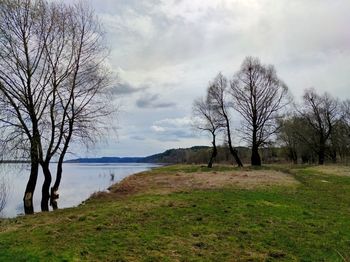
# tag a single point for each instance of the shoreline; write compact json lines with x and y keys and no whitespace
{"x":79,"y":182}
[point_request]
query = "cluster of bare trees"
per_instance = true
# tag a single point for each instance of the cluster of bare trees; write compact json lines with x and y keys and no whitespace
{"x":314,"y":130}
{"x":256,"y":93}
{"x":53,"y":85}
{"x":318,"y":129}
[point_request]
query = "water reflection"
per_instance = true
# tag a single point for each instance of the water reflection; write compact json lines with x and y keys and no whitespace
{"x":79,"y":181}
{"x":6,"y":185}
{"x":3,"y":193}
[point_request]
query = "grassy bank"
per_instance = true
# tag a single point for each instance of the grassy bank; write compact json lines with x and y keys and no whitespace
{"x":190,"y":213}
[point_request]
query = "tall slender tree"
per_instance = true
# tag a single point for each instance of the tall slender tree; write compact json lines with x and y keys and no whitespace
{"x":79,"y":83}
{"x":23,"y":79}
{"x":217,"y":98}
{"x":206,"y":119}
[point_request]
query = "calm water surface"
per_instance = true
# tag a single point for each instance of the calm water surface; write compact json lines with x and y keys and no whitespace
{"x":79,"y":181}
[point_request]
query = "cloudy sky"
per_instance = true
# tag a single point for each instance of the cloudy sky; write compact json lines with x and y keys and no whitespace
{"x":166,"y":51}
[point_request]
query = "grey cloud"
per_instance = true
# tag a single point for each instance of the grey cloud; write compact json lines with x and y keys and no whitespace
{"x":139,"y":138}
{"x":152,"y":101}
{"x":125,"y":88}
{"x":183,"y":133}
{"x":175,"y":135}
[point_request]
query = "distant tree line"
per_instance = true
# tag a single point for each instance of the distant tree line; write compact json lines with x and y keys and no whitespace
{"x":313,"y":131}
{"x":202,"y":154}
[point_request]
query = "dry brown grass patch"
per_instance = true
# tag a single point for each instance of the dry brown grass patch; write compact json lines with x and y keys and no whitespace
{"x":164,"y":183}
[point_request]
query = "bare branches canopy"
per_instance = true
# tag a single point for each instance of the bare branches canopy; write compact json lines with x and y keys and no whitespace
{"x":258,"y":96}
{"x":53,"y":81}
{"x":206,"y":118}
{"x":321,"y":114}
{"x":217,"y":97}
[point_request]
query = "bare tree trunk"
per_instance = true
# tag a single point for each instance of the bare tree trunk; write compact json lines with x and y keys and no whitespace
{"x":294,"y":155}
{"x":233,"y":151}
{"x":321,"y":154}
{"x":29,"y":192}
{"x":321,"y":157}
{"x":333,"y":155}
{"x":214,"y":152}
{"x":54,"y":189}
{"x":53,"y":203}
{"x":46,"y":187}
{"x":255,"y":158}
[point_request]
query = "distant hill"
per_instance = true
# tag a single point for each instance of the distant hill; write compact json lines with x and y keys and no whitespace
{"x":179,"y":155}
{"x":192,"y":155}
{"x":107,"y":160}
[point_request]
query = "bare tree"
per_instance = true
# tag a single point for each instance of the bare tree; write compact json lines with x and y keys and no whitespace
{"x":288,"y":138}
{"x":343,"y":131}
{"x":23,"y":79}
{"x":290,"y":135}
{"x":339,"y":146}
{"x":345,"y":120}
{"x":217,"y":100}
{"x":258,"y":95}
{"x":345,"y":114}
{"x":206,"y":119}
{"x":52,"y":82}
{"x":321,"y":114}
{"x":79,"y":83}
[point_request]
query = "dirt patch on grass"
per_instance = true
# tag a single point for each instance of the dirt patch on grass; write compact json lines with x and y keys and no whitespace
{"x":163,"y":183}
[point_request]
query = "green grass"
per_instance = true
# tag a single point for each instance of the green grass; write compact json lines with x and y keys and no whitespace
{"x":309,"y":222}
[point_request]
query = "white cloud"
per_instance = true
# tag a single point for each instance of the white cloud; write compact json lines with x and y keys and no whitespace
{"x":158,"y":128}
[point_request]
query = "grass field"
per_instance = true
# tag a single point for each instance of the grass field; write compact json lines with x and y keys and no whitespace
{"x":190,"y":213}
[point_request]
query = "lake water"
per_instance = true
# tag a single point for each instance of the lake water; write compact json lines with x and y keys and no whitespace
{"x":79,"y":181}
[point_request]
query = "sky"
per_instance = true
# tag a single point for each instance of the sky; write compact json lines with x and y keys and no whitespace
{"x":165,"y":52}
